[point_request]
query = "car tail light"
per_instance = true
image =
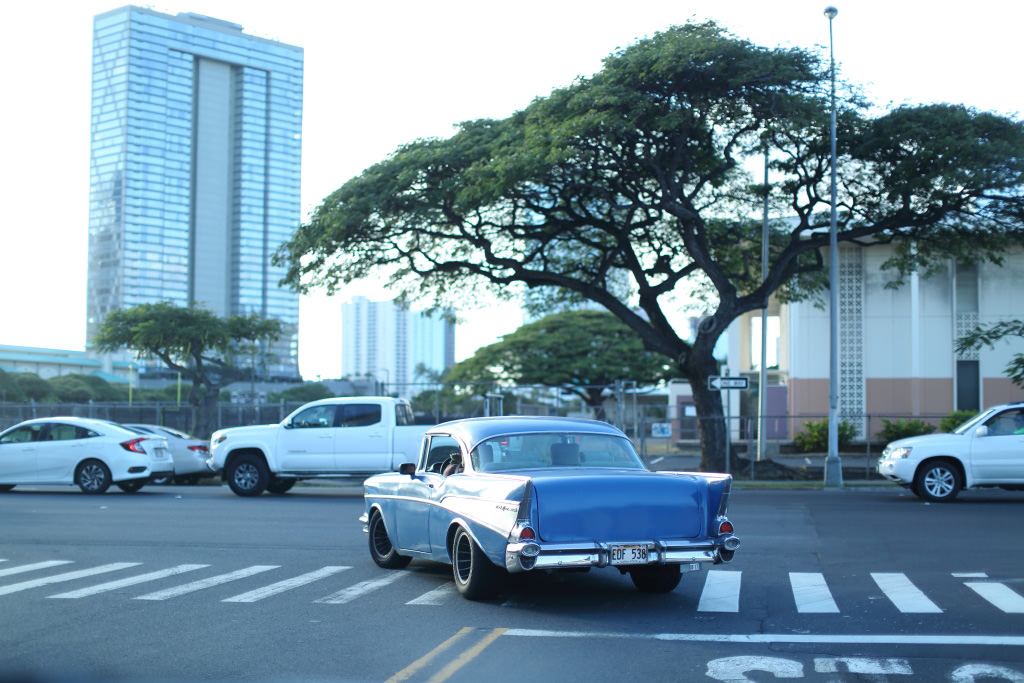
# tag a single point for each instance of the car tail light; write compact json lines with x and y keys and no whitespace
{"x":725,"y":527}
{"x":526,"y":534}
{"x":201,"y":448}
{"x":134,"y":445}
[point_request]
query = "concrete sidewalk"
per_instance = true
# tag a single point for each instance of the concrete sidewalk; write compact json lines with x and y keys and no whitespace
{"x":810,"y":466}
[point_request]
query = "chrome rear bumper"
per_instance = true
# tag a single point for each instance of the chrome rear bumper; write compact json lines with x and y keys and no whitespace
{"x":528,"y":555}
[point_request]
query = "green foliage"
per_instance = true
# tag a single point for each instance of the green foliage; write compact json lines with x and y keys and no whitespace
{"x":33,"y":387}
{"x":955,"y":419}
{"x":10,"y":392}
{"x":814,"y":438}
{"x":988,"y":335}
{"x":71,"y":389}
{"x":192,"y":341}
{"x":628,"y":188}
{"x":309,"y":391}
{"x":901,"y":429}
{"x":583,"y":352}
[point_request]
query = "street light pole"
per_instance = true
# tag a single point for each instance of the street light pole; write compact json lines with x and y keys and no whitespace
{"x":833,"y":465}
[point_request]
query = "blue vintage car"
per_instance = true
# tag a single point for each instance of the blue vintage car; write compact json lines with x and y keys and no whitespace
{"x":499,"y":495}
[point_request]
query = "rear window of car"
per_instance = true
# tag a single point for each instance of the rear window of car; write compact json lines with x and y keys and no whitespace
{"x":360,"y":414}
{"x":554,"y":449}
{"x":65,"y":432}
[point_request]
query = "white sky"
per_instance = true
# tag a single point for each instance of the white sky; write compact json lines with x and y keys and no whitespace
{"x":378,"y":74}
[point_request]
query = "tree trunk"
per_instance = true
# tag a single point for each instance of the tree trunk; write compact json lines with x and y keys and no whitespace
{"x":711,"y":425}
{"x":206,"y":414}
{"x":697,"y":366}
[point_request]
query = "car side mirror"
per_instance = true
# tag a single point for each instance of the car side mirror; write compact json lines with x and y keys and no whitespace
{"x":407,"y":468}
{"x":981,"y":431}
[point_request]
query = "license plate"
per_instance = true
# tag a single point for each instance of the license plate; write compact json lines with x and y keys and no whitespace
{"x":629,"y":554}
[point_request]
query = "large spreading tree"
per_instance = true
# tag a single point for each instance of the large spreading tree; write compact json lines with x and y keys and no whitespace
{"x":210,"y":351}
{"x":638,"y":175}
{"x":583,"y":352}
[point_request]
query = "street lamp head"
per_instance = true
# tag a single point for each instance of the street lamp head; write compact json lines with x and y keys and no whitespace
{"x":831,"y":12}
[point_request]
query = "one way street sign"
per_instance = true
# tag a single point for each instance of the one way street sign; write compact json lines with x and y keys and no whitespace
{"x":716,"y":383}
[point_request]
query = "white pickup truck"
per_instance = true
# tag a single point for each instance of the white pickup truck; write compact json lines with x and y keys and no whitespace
{"x":331,"y":438}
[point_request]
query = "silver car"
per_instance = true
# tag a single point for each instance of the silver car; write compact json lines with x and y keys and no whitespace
{"x":190,"y":454}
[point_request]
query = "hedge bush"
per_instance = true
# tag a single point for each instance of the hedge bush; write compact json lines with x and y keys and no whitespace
{"x":815,"y":437}
{"x":955,"y":419}
{"x":901,"y":429}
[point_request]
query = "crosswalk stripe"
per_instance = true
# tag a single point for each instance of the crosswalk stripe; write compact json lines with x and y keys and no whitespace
{"x":67,"y":576}
{"x":811,"y":593}
{"x":358,"y":590}
{"x":21,"y":569}
{"x":435,"y":597}
{"x":287,"y":584}
{"x":130,"y":581}
{"x":721,"y":592}
{"x":208,"y":583}
{"x":907,"y":597}
{"x":1000,"y":595}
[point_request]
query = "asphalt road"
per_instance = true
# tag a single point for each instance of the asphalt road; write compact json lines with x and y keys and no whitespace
{"x":194,"y":583}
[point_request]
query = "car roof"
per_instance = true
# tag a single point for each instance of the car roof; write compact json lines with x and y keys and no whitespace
{"x":476,"y":429}
{"x":90,"y":422}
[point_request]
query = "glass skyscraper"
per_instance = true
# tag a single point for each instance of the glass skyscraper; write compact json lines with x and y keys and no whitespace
{"x":196,"y":146}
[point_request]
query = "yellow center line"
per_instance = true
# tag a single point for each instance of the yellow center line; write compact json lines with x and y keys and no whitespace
{"x":410,"y":670}
{"x":467,"y":656}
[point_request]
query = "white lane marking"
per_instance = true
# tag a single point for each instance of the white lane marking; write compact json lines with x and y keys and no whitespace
{"x":864,"y":666}
{"x":208,"y":583}
{"x":20,"y":569}
{"x":438,"y":596}
{"x":811,"y":593}
{"x":67,"y":576}
{"x":721,"y":592}
{"x":287,"y":584}
{"x":130,"y":581}
{"x":970,"y":575}
{"x":360,"y":589}
{"x":1000,"y":595}
{"x":907,"y":597}
{"x":834,"y":638}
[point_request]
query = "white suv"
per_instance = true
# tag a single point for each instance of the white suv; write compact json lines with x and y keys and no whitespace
{"x":987,"y":450}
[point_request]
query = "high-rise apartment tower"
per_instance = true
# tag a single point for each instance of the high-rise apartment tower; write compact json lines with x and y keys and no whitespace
{"x":394,"y":346}
{"x":196,"y":145}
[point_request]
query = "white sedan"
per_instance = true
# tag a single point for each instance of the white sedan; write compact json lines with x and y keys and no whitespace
{"x":92,"y":454}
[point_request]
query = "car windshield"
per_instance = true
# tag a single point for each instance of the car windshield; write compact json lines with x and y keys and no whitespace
{"x":554,"y":449}
{"x":974,"y":421}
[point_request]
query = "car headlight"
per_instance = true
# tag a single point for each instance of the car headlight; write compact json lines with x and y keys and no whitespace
{"x":899,"y":453}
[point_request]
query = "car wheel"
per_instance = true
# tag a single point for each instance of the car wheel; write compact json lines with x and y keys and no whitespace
{"x":381,"y":550}
{"x":4,"y":488}
{"x":476,"y":577}
{"x":277,"y":485}
{"x":248,"y":475}
{"x":937,"y":481}
{"x":92,"y":476}
{"x":657,"y":579}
